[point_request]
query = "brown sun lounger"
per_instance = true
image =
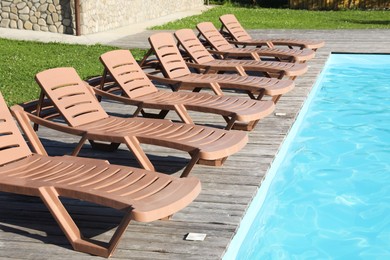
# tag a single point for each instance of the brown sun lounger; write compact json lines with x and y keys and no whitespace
{"x":135,"y":88}
{"x":177,"y":73}
{"x":85,"y":117}
{"x":200,"y":56}
{"x":142,"y":195}
{"x":221,"y":47}
{"x":237,"y":35}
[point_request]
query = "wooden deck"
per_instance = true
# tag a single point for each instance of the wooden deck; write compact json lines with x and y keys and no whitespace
{"x":27,"y":230}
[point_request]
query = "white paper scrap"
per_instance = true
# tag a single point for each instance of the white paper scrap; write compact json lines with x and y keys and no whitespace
{"x":280,"y":114}
{"x":196,"y":236}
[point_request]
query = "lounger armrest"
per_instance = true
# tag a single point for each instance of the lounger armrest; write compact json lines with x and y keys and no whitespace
{"x":234,"y":54}
{"x":18,"y":110}
{"x":233,"y":42}
{"x":93,"y":161}
{"x":201,"y":68}
{"x":197,"y":66}
{"x":257,"y":43}
{"x":98,"y":92}
{"x":115,"y":97}
{"x":217,"y":52}
{"x":216,"y":68}
{"x":162,"y":79}
{"x":221,"y":54}
{"x":207,"y":68}
{"x":177,"y":85}
{"x":25,"y":124}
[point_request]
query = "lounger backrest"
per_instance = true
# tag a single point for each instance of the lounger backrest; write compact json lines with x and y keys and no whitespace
{"x":127,"y":73}
{"x":193,"y":46}
{"x":12,"y":144}
{"x":230,"y":22}
{"x":168,"y":54}
{"x":71,"y":96}
{"x":213,"y":36}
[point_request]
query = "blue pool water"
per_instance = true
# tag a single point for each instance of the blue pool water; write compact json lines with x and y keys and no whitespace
{"x":327,"y":194}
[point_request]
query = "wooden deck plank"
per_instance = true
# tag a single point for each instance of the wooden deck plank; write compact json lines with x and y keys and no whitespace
{"x":27,"y":230}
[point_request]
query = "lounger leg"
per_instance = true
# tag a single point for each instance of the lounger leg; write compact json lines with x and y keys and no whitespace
{"x":194,"y":159}
{"x":175,"y":87}
{"x":245,"y":127}
{"x":250,"y":94}
{"x":79,"y":145}
{"x":134,"y":146}
{"x":216,"y":88}
{"x":230,"y":122}
{"x":143,"y":61}
{"x":49,"y":195}
{"x":255,"y":56}
{"x":39,"y":108}
{"x":139,"y":109}
{"x":261,"y":94}
{"x":102,"y":146}
{"x":275,"y":99}
{"x":216,"y":163}
{"x":102,"y":82}
{"x":161,"y":115}
{"x":241,"y":71}
{"x":270,"y":45}
{"x":119,"y":233}
{"x":183,"y":114}
{"x":281,"y":75}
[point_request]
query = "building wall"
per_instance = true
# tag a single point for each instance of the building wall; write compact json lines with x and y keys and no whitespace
{"x":102,"y":15}
{"x":57,"y":16}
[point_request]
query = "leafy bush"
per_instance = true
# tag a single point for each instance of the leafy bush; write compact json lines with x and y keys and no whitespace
{"x":258,"y":3}
{"x":310,"y":4}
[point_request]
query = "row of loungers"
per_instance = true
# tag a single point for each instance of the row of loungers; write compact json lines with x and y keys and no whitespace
{"x":70,"y":105}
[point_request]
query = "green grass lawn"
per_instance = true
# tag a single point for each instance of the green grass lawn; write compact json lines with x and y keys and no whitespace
{"x":21,"y":60}
{"x":263,"y":18}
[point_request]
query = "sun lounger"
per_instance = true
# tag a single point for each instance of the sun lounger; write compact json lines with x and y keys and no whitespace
{"x":200,"y":56}
{"x":85,"y":117}
{"x":237,"y":35}
{"x":179,"y":75}
{"x":220,"y":46}
{"x":135,"y":88}
{"x":142,"y":195}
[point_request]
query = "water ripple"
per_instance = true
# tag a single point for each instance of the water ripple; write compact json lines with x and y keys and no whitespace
{"x":330,"y":198}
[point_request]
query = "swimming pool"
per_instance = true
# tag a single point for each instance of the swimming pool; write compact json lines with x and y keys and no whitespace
{"x":327,"y":194}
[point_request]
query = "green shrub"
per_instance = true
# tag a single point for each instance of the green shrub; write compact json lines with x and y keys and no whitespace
{"x":253,"y":3}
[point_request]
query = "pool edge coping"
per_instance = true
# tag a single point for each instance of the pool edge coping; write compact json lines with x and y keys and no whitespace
{"x":234,"y":246}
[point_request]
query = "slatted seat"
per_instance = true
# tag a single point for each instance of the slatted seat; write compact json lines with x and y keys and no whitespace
{"x":142,"y":195}
{"x":237,"y":35}
{"x":85,"y":117}
{"x":136,"y":89}
{"x":176,"y":71}
{"x":199,"y":55}
{"x":220,"y":46}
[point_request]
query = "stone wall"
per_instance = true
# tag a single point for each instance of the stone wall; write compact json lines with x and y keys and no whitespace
{"x":95,"y":15}
{"x":38,"y":15}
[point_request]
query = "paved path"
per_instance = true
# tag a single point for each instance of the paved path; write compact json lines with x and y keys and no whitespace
{"x":102,"y":37}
